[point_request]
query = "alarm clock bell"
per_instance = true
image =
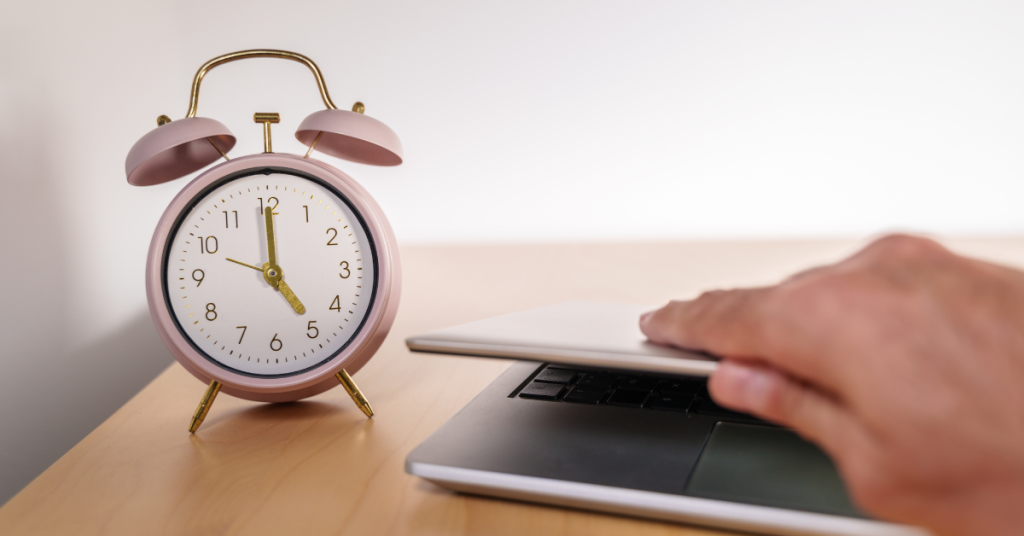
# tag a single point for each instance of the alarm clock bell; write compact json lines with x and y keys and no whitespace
{"x":176,"y":148}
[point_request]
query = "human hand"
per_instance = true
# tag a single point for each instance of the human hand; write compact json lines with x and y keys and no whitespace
{"x":904,"y":362}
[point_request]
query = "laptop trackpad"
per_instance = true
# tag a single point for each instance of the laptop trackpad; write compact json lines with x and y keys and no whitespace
{"x":771,"y":467}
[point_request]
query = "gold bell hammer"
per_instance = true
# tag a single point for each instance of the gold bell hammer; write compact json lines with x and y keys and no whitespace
{"x":267,"y":119}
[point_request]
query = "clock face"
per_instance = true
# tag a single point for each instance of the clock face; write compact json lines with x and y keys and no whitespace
{"x":270,"y":319}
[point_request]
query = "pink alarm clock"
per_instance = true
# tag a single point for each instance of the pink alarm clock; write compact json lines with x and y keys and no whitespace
{"x":271,"y":277}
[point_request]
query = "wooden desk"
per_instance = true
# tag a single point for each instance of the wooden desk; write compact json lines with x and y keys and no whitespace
{"x":320,"y":467}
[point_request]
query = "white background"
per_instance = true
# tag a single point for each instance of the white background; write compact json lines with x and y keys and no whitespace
{"x":522,"y":121}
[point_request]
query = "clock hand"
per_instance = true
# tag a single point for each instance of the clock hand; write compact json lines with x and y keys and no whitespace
{"x":246,"y":265}
{"x":268,"y":213}
{"x":271,"y":271}
{"x":274,"y":277}
{"x":291,"y":297}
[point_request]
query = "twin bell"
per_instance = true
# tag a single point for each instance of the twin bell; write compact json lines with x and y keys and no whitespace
{"x":176,"y":148}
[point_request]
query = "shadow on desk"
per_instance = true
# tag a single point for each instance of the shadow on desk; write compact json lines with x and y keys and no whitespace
{"x":501,"y":517}
{"x":240,"y":423}
{"x":58,"y":399}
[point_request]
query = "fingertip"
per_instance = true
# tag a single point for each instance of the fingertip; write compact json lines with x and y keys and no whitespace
{"x":644,"y":317}
{"x":648,"y":324}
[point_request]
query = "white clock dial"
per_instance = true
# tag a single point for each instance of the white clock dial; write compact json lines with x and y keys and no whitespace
{"x":231,"y":313}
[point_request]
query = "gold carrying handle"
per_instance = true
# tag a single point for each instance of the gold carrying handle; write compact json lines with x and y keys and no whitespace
{"x":193,"y":105}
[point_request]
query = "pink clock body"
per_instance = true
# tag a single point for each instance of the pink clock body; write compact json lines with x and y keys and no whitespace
{"x":238,"y":374}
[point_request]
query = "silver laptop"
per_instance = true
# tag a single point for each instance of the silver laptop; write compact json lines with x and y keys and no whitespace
{"x":601,"y":420}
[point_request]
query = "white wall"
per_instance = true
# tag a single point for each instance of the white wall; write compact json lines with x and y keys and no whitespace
{"x":522,"y":121}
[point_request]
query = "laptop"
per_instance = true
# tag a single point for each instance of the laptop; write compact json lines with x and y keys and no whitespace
{"x":594,"y":417}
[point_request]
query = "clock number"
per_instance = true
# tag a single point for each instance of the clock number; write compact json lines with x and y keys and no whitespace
{"x":344,"y":267}
{"x":205,"y":246}
{"x":307,"y":212}
{"x":331,"y":242}
{"x":336,"y":304}
{"x":226,"y":218}
{"x":311,"y":327}
{"x":279,"y":343}
{"x":243,"y":328}
{"x":198,"y":280}
{"x":273,"y":208}
{"x":211,"y":309}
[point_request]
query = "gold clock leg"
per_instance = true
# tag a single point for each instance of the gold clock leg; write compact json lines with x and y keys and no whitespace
{"x":354,"y":392}
{"x":204,"y":406}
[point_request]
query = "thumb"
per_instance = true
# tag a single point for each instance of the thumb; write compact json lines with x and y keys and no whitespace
{"x":772,"y":395}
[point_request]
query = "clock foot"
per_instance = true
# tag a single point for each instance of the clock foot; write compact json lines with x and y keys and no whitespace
{"x":354,"y":392}
{"x":204,"y":406}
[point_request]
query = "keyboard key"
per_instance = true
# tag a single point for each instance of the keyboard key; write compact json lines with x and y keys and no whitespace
{"x":705,"y":406}
{"x":691,"y":387}
{"x":586,"y":394}
{"x":628,"y":398}
{"x":542,"y":391}
{"x":599,"y":379}
{"x":638,"y":383}
{"x":556,"y":375}
{"x":670,"y":402}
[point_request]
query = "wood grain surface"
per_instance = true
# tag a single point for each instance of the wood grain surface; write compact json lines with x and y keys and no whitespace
{"x":320,"y":467}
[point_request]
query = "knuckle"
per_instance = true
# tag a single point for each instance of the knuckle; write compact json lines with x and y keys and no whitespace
{"x":902,"y":247}
{"x":818,"y":297}
{"x":709,"y":298}
{"x":839,"y":293}
{"x":674,"y":314}
{"x":708,"y":303}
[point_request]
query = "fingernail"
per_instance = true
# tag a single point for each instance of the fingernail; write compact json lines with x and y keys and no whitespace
{"x":749,"y":385}
{"x":645,"y":316}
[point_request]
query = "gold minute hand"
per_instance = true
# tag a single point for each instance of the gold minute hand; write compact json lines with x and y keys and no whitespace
{"x":268,"y":213}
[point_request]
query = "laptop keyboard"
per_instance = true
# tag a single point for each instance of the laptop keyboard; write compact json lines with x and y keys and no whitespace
{"x":657,"y":392}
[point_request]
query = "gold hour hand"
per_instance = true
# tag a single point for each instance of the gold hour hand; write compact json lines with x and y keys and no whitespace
{"x":291,"y":297}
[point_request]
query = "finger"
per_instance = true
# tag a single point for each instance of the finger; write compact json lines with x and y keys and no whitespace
{"x":774,"y":396}
{"x":761,"y":324}
{"x":723,"y":322}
